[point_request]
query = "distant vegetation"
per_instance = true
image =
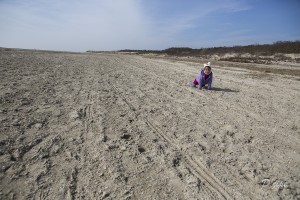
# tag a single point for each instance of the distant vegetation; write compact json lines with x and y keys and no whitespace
{"x":261,"y":49}
{"x":257,"y":53}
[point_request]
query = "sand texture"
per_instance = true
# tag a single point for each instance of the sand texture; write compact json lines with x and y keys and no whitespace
{"x":112,"y":126}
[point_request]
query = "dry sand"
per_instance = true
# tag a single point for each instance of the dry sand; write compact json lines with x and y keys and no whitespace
{"x":112,"y":126}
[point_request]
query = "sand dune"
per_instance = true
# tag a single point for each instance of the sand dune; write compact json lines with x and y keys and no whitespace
{"x":112,"y":126}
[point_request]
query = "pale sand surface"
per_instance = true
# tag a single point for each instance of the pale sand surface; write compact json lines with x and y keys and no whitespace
{"x":112,"y":126}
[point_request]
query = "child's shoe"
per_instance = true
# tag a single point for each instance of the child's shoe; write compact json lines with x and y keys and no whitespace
{"x":191,"y":84}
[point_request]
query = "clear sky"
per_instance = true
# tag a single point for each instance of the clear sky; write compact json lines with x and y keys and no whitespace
{"x":80,"y":25}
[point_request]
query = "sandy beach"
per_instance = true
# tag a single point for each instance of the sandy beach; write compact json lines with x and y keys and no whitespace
{"x":118,"y":126}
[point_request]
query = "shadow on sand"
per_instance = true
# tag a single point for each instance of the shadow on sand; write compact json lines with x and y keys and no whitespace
{"x":223,"y":89}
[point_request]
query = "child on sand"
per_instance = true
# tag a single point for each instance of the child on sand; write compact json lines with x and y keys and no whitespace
{"x":204,"y":78}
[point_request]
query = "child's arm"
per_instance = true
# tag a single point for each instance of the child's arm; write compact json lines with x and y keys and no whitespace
{"x":199,"y":86}
{"x":210,"y":82}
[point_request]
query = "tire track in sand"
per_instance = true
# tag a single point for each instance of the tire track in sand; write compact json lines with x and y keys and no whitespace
{"x":197,"y":167}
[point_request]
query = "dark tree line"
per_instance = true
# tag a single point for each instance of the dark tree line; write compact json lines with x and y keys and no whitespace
{"x":256,"y":49}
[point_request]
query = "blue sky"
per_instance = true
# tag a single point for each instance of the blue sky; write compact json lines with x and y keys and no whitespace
{"x":76,"y":25}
